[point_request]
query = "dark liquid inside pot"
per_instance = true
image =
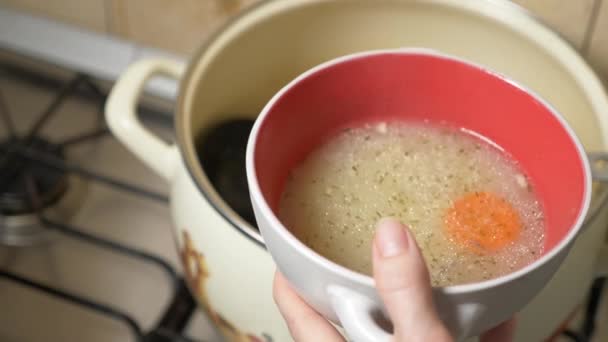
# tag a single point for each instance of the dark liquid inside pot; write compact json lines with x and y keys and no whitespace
{"x":221,"y":152}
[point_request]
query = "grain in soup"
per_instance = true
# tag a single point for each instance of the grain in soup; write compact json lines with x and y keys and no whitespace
{"x":471,"y":209}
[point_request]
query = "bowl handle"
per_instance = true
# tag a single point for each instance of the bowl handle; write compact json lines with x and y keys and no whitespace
{"x":122,"y":119}
{"x":356,"y":314}
{"x":360,"y":317}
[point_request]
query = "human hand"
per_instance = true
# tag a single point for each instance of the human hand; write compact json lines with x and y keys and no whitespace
{"x":403,"y":283}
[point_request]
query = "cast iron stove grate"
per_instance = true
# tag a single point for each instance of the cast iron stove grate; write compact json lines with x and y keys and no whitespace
{"x":33,"y":176}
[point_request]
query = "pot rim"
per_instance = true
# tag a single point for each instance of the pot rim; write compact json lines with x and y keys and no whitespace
{"x":563,"y":52}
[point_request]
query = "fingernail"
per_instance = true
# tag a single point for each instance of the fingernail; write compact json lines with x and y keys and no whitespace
{"x":391,"y":238}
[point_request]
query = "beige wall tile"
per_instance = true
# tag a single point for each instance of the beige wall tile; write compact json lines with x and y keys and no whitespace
{"x":180,"y":25}
{"x":89,"y":14}
{"x":598,"y":50}
{"x":568,"y":17}
{"x":175,"y":25}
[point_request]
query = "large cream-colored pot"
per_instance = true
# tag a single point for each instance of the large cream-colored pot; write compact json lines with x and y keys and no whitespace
{"x":239,"y":69}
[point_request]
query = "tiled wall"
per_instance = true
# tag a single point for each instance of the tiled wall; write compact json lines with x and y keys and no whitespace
{"x":86,"y":13}
{"x":598,"y":48}
{"x":180,"y":25}
{"x":175,"y":25}
{"x":569,"y":17}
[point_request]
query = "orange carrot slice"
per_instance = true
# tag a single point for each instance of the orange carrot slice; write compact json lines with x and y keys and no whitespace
{"x":482,"y":222}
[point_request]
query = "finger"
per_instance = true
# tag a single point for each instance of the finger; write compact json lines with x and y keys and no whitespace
{"x":504,"y":332}
{"x":404,"y":285}
{"x":304,"y":323}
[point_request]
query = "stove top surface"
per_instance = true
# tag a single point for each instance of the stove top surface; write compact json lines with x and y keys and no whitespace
{"x":84,"y":226}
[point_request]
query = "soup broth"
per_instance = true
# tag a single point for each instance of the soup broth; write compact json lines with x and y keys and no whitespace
{"x":471,"y":209}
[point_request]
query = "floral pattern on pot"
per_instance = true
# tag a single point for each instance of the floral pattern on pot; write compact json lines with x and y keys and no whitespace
{"x":196,"y":273}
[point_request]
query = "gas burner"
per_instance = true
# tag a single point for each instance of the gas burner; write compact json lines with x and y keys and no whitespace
{"x":40,"y":190}
{"x":50,"y":184}
{"x":30,"y":188}
{"x":58,"y":194}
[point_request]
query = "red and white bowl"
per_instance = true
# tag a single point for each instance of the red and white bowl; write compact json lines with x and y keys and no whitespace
{"x":416,"y":85}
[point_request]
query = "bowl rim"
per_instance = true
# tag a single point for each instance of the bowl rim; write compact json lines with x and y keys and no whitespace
{"x":365,"y":280}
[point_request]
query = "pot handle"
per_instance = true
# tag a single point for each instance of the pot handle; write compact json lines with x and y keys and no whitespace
{"x":598,"y":162}
{"x":122,"y":118}
{"x":356,"y":314}
{"x":599,"y":166}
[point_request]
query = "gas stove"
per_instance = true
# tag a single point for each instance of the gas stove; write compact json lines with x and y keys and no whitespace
{"x":86,"y":252}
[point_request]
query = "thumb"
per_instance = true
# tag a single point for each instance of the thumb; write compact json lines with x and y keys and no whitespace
{"x":403,"y":283}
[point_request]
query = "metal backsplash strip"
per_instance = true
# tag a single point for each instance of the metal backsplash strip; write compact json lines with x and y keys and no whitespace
{"x":100,"y":56}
